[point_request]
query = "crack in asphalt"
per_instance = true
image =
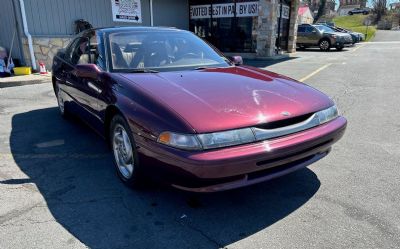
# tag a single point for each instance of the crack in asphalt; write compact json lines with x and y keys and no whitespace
{"x":18,"y":212}
{"x":203,"y":234}
{"x":360,"y":214}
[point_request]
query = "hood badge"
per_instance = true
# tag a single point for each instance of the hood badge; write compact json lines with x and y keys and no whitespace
{"x":286,"y":114}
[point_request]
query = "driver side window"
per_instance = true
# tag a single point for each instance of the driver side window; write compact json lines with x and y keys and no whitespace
{"x":310,"y":29}
{"x":78,"y":52}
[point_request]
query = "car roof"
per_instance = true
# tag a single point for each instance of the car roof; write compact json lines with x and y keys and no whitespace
{"x":133,"y":28}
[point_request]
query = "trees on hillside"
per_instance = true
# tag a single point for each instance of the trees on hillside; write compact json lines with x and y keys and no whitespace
{"x":379,"y":8}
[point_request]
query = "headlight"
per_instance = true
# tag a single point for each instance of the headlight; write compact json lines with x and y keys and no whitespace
{"x":208,"y":140}
{"x":182,"y":141}
{"x":327,"y":114}
{"x":226,"y":138}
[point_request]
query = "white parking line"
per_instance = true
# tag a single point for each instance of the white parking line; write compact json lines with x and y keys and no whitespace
{"x":315,"y":72}
{"x":358,"y":47}
{"x":383,"y":42}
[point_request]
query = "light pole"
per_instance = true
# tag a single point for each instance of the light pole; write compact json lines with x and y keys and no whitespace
{"x":367,"y":22}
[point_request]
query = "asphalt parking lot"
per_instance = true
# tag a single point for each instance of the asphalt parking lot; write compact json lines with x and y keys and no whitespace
{"x":58,"y":187}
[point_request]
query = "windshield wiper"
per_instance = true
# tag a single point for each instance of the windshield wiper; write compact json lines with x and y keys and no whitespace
{"x":204,"y":67}
{"x":201,"y":68}
{"x":141,"y":70}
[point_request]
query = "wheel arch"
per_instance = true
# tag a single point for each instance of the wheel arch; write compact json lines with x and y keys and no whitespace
{"x":325,"y":39}
{"x":110,"y":112}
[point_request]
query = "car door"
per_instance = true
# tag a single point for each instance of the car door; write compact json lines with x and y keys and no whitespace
{"x":313,"y":35}
{"x":301,"y":38}
{"x":83,"y":91}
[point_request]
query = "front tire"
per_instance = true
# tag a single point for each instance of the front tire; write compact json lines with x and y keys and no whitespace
{"x":339,"y":48}
{"x":324,"y":45}
{"x":124,"y":151}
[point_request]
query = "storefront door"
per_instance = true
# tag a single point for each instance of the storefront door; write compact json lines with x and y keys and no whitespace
{"x":283,"y":24}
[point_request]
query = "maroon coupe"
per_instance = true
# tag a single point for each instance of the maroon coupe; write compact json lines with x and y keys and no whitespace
{"x":174,"y":108}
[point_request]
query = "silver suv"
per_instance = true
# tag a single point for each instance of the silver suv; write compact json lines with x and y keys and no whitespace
{"x":321,"y":36}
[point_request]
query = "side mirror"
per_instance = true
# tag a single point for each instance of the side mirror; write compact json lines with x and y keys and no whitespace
{"x":87,"y":71}
{"x":237,"y":60}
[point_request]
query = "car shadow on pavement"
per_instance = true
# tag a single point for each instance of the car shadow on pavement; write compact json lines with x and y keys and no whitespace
{"x":266,"y":62}
{"x":73,"y":170}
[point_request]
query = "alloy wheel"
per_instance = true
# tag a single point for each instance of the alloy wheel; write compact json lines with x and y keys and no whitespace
{"x":324,"y":45}
{"x":123,"y":153}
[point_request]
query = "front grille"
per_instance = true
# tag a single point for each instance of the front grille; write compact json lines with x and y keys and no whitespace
{"x":284,"y":122}
{"x":277,"y":159}
{"x":268,"y":171}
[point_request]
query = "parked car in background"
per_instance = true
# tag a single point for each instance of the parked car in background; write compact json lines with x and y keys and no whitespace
{"x":364,"y":11}
{"x":354,"y":35}
{"x":321,"y":36}
{"x":357,"y":37}
{"x":176,"y":109}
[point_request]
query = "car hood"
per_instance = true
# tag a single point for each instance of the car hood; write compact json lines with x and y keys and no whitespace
{"x":228,"y":98}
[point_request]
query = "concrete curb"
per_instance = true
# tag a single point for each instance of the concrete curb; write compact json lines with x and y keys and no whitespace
{"x":24,"y":80}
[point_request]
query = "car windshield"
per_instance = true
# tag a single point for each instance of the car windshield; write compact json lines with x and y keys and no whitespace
{"x":323,"y":28}
{"x":150,"y":51}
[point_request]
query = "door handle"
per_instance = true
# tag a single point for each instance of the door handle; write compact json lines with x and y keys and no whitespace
{"x":94,"y":87}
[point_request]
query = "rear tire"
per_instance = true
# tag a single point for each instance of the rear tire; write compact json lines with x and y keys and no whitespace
{"x":338,"y":48}
{"x":324,"y":45}
{"x":125,"y":153}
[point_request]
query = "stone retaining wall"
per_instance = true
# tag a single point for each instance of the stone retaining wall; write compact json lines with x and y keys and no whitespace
{"x":294,"y":8}
{"x":44,"y":49}
{"x":266,"y":31}
{"x":267,"y":23}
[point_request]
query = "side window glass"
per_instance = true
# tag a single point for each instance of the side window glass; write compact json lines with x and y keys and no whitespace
{"x":301,"y":29}
{"x":70,"y":49}
{"x":309,"y":29}
{"x":96,"y":55}
{"x":80,"y":55}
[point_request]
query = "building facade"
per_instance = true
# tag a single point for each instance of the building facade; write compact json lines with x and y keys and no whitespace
{"x":251,"y":28}
{"x":314,"y":5}
{"x":305,"y":16}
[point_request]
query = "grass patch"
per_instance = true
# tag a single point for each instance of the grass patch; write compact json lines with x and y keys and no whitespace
{"x":355,"y":23}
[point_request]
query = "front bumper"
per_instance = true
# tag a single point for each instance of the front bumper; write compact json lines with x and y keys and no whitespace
{"x":346,"y":41}
{"x":238,"y":166}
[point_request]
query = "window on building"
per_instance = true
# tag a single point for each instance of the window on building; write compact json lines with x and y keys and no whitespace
{"x":227,"y":24}
{"x":283,"y":13}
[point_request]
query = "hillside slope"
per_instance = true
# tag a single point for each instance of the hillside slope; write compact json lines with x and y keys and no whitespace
{"x":355,"y":23}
